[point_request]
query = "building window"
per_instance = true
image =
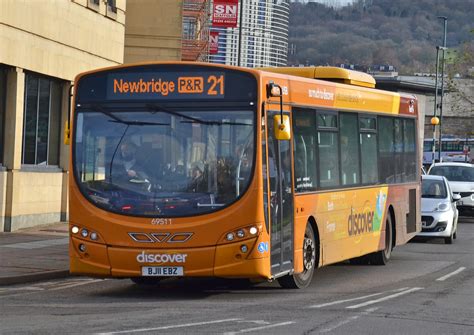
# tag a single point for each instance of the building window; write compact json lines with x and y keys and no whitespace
{"x":111,"y":6}
{"x":93,"y":4}
{"x":41,"y":123}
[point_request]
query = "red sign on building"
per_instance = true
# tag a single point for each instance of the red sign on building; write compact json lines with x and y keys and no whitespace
{"x":213,"y":42}
{"x":224,"y":13}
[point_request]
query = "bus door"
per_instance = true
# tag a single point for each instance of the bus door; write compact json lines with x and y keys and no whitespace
{"x":281,"y":201}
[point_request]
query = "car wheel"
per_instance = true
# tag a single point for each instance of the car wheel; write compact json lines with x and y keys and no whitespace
{"x":310,"y":259}
{"x":449,"y":240}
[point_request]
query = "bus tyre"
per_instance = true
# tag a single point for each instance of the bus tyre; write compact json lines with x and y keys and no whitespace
{"x":383,"y":256}
{"x":310,"y":250}
{"x":145,"y":281}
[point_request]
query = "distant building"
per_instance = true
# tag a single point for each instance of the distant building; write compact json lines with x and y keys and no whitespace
{"x":264,"y":36}
{"x":44,"y":45}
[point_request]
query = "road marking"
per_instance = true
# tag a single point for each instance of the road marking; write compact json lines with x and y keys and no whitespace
{"x":371,"y":302}
{"x":461,"y":269}
{"x":62,"y":287}
{"x":169,"y":327}
{"x":37,"y":244}
{"x":260,"y":328}
{"x":352,"y":318}
{"x":354,"y":299}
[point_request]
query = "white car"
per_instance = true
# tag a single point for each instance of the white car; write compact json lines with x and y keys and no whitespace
{"x":439,"y":215}
{"x":461,"y":180}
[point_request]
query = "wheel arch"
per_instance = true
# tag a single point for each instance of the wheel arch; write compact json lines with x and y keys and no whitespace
{"x":312,"y":221}
{"x":391,"y":212}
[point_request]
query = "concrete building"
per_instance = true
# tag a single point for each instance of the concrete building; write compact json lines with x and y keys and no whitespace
{"x":43,"y":46}
{"x":264,"y":36}
{"x":153,"y":31}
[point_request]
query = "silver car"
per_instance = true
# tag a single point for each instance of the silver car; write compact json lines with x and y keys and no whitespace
{"x":439,"y":215}
{"x":461,"y":180}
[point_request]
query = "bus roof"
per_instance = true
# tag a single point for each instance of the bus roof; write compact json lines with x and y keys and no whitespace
{"x":330,"y":73}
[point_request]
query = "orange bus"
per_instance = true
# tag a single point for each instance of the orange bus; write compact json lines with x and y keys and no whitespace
{"x":202,"y":170}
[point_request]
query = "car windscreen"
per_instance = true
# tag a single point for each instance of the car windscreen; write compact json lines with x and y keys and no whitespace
{"x":153,"y":162}
{"x":431,"y":188}
{"x":454,"y":173}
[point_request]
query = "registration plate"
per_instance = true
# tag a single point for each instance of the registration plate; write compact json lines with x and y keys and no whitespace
{"x":162,"y":271}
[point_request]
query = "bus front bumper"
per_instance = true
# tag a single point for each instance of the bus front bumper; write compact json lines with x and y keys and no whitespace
{"x":226,"y":260}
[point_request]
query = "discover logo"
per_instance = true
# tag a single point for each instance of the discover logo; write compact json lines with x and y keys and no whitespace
{"x":161,"y":258}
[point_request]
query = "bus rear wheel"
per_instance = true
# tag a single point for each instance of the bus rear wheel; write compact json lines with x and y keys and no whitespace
{"x":382,"y":257}
{"x":310,"y":250}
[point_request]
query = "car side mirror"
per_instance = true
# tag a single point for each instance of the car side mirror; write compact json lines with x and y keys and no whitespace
{"x":456,"y":197}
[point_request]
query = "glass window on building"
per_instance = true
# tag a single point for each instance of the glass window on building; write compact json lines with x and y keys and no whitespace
{"x":41,"y":122}
{"x":3,"y":93}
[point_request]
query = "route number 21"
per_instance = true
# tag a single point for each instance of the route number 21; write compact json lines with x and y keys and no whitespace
{"x":217,"y":85}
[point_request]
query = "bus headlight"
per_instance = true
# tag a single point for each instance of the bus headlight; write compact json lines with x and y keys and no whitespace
{"x":243,"y":248}
{"x":240,"y":233}
{"x":75,"y":229}
{"x":230,"y":237}
{"x":94,"y":236}
{"x":253,"y":230}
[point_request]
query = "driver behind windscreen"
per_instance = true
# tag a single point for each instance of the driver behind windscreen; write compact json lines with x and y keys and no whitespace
{"x":128,"y":168}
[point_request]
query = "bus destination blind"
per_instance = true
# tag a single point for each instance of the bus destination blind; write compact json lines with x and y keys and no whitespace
{"x":166,"y":85}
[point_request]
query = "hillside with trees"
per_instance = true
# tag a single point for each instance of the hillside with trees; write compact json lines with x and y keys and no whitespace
{"x":403,"y":33}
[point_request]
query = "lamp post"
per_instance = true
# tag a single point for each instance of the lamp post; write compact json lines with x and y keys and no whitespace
{"x":434,"y":119}
{"x":443,"y":48}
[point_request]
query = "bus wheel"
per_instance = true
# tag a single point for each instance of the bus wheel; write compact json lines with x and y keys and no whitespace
{"x":145,"y":281}
{"x":383,"y":256}
{"x":310,"y":250}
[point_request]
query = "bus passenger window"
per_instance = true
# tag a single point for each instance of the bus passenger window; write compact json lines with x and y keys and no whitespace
{"x":304,"y":142}
{"x":328,"y":159}
{"x":350,"y":172}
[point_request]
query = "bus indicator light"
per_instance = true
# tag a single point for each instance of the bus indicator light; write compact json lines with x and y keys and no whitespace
{"x":243,"y":248}
{"x":84,"y":233}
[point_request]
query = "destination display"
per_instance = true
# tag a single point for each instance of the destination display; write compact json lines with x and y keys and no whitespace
{"x":166,"y":85}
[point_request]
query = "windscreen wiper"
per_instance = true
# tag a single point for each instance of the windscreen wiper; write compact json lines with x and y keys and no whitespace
{"x":191,"y":119}
{"x":116,"y":119}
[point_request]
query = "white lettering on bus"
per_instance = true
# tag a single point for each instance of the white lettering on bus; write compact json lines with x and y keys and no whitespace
{"x":161,"y":258}
{"x":323,"y":95}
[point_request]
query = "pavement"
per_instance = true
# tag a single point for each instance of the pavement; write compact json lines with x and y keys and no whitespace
{"x":32,"y":254}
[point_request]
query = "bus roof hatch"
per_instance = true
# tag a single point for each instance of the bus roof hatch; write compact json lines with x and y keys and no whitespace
{"x":329,"y":73}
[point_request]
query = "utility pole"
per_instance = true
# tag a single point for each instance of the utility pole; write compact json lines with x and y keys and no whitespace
{"x":239,"y":50}
{"x":445,"y":19}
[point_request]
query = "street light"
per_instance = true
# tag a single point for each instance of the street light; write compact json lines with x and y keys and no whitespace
{"x":443,"y":48}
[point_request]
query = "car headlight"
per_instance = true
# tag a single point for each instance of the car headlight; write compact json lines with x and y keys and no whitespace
{"x":443,"y":207}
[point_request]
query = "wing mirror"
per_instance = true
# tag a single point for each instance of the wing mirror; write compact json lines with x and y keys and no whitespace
{"x":456,"y":197}
{"x":281,"y":123}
